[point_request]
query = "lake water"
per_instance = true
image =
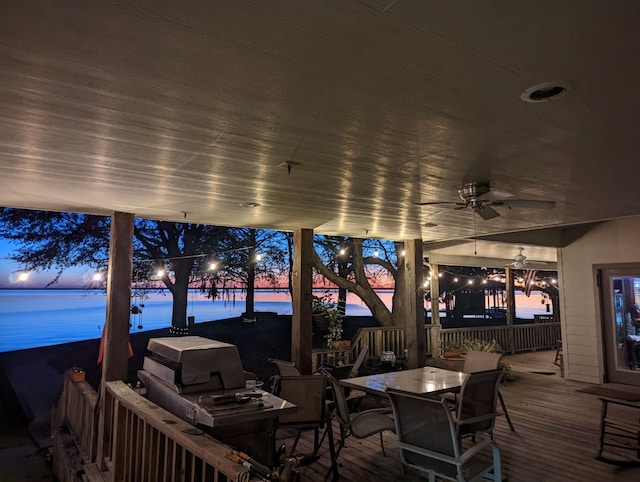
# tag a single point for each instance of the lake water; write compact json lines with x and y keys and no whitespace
{"x":35,"y":318}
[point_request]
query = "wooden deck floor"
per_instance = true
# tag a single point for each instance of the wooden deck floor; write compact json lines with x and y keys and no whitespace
{"x":556,"y":436}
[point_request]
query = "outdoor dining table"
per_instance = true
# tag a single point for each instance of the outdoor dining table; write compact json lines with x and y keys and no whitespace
{"x":426,"y":381}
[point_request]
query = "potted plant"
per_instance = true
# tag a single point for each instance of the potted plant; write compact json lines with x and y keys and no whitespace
{"x":319,"y":306}
{"x":451,"y":349}
{"x":452,"y":357}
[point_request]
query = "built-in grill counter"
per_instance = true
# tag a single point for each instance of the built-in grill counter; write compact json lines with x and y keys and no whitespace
{"x":203,"y":382}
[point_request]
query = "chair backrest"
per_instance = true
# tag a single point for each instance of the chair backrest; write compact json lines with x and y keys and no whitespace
{"x":478,"y":397}
{"x":341,"y":406}
{"x":424,"y":423}
{"x":360,"y":360}
{"x":480,"y":361}
{"x":341,"y":372}
{"x":347,"y":371}
{"x":308,"y":393}
{"x":286,"y":368}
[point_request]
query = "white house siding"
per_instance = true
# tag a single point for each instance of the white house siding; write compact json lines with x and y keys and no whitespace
{"x":611,"y":242}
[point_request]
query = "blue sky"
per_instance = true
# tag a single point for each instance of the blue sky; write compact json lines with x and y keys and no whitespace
{"x":72,"y":278}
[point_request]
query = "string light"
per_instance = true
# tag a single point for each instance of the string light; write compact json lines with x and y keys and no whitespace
{"x":212,"y":266}
{"x":23,"y":276}
{"x":258,"y":256}
{"x":98,"y":276}
{"x":403,"y":253}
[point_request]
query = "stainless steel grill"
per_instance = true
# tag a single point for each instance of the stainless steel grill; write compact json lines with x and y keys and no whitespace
{"x":203,"y":382}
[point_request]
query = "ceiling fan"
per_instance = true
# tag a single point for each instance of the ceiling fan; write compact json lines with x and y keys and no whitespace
{"x":519,"y":260}
{"x":479,"y":197}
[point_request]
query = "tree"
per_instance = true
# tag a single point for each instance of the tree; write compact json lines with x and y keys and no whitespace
{"x":254,"y":256}
{"x":352,"y":264}
{"x":48,"y":240}
{"x":180,"y":251}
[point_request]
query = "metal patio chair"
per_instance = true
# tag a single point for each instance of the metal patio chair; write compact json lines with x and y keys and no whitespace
{"x":359,"y":425}
{"x":308,"y":393}
{"x":479,"y":361}
{"x":428,"y":441}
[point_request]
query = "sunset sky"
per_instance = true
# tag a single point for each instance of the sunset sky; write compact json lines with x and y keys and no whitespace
{"x":9,"y":270}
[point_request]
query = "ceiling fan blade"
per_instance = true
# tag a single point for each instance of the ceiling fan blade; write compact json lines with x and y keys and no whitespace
{"x":486,"y":212}
{"x":525,"y":203}
{"x":453,"y":204}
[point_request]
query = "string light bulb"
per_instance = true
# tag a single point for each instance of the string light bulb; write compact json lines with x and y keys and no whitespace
{"x":23,"y":276}
{"x":97,"y":276}
{"x":258,"y":256}
{"x":212,"y":266}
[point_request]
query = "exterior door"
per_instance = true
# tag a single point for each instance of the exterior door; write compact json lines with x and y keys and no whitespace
{"x":620,"y":294}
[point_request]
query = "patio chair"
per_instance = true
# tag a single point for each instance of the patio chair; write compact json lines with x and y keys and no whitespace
{"x":476,"y":408}
{"x":308,"y":393}
{"x":360,"y":425}
{"x":428,"y":442}
{"x":479,"y":361}
{"x":353,"y":396}
{"x":284,"y":369}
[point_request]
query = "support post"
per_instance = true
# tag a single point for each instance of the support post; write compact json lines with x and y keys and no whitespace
{"x":115,"y":338}
{"x":301,"y":326}
{"x":436,"y":326}
{"x":413,"y":315}
{"x":511,"y":309}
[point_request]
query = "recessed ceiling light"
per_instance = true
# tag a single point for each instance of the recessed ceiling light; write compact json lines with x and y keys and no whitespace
{"x":545,"y":91}
{"x":249,"y":205}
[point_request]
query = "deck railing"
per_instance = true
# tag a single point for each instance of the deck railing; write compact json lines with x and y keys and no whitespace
{"x":141,"y":441}
{"x":511,"y":338}
{"x":146,"y":442}
{"x":76,"y":408}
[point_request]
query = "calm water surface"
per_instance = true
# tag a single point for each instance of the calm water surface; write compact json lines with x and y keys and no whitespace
{"x":35,"y":318}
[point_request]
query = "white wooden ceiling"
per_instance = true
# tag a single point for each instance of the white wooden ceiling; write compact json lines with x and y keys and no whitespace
{"x":185,"y":110}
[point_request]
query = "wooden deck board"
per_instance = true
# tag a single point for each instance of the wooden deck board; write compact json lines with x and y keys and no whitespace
{"x":556,"y":438}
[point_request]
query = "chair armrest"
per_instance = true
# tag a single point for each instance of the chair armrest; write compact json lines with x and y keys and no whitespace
{"x":371,"y":411}
{"x":479,"y":418}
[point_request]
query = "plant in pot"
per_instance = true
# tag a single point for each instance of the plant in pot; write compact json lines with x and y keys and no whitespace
{"x":451,"y":349}
{"x":319,"y":306}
